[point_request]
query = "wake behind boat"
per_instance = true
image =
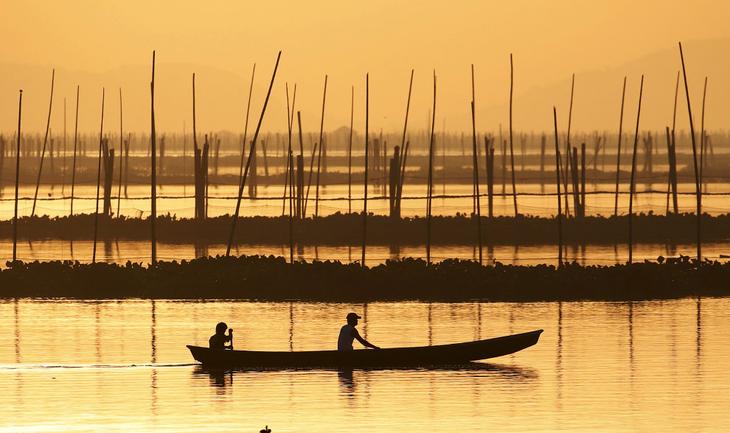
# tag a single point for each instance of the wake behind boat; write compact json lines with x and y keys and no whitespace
{"x":402,"y":356}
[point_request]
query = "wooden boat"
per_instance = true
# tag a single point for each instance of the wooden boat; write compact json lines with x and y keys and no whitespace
{"x":402,"y":356}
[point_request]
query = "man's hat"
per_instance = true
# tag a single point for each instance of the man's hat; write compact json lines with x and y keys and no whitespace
{"x":353,"y":316}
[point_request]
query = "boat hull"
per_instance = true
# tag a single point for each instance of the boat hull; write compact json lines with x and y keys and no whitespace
{"x":402,"y":356}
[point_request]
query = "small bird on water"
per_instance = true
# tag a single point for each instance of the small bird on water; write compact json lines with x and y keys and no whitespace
{"x":265,"y":430}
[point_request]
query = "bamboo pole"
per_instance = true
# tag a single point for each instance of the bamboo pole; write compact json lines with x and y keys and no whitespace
{"x":245,"y":127}
{"x":45,"y":140}
{"x":300,"y":170}
{"x":196,"y":160}
{"x":321,"y":145}
{"x":698,"y":187}
{"x":76,"y":142}
{"x":349,"y":152}
{"x":511,"y":147}
{"x":365,"y":179}
{"x":475,"y":167}
{"x":702,"y":134}
{"x":430,"y":175}
{"x":121,"y":153}
{"x":568,"y":151}
{"x":63,"y":160}
{"x":251,"y":153}
{"x":289,"y":170}
{"x":309,"y":179}
{"x":557,"y":185}
{"x":153,"y":167}
{"x":673,"y":176}
{"x":618,"y":149}
{"x":290,"y":121}
{"x":632,"y":185}
{"x":404,"y":147}
{"x":489,"y":151}
{"x":582,"y":180}
{"x":98,"y":179}
{"x":17,"y":177}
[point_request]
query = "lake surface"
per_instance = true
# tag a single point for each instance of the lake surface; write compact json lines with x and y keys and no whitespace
{"x":118,"y":366}
{"x":139,"y":252}
{"x":450,"y":199}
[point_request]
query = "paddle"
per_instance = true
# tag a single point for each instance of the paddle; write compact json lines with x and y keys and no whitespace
{"x":230,"y":334}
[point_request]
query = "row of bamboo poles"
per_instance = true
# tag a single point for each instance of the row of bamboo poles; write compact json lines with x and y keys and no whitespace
{"x":570,"y":168}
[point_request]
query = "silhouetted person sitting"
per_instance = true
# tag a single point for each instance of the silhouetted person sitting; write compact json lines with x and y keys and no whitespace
{"x":349,"y":332}
{"x":219,"y":339}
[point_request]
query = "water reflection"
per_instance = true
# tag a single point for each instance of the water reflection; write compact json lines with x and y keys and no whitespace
{"x":618,"y":355}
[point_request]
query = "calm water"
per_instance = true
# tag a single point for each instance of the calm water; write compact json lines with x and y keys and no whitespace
{"x":179,"y":200}
{"x":139,"y":251}
{"x":123,"y":366}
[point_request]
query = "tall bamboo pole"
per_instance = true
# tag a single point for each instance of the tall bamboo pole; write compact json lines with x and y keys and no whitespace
{"x":321,"y":145}
{"x":98,"y":179}
{"x":245,"y":127}
{"x":121,"y":152}
{"x":430,"y":175}
{"x":250,"y":156}
{"x":698,"y":187}
{"x":672,"y":184}
{"x":63,"y":160}
{"x":511,"y":147}
{"x":702,"y":133}
{"x":76,"y":142}
{"x":196,"y":160}
{"x":290,"y":122}
{"x":153,"y":167}
{"x":632,"y":185}
{"x":557,"y":185}
{"x":568,"y":151}
{"x":45,"y":140}
{"x":289,"y":171}
{"x":365,"y":179}
{"x":17,"y":177}
{"x":404,"y":147}
{"x":349,"y":152}
{"x":618,"y":149}
{"x":475,"y":167}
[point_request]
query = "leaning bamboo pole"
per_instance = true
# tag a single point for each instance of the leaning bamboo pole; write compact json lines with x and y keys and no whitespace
{"x":557,"y":185}
{"x":511,"y":147}
{"x":618,"y":149}
{"x":98,"y":179}
{"x":76,"y":142}
{"x":45,"y":141}
{"x":17,"y":178}
{"x":321,"y":146}
{"x":567,"y":170}
{"x":404,"y":147}
{"x":698,"y":187}
{"x":153,"y":168}
{"x":365,"y":177}
{"x":251,"y":155}
{"x":245,"y":127}
{"x":430,"y":175}
{"x":475,"y":167}
{"x":632,"y":184}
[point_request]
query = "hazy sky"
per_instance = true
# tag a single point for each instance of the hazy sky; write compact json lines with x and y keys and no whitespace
{"x":109,"y":43}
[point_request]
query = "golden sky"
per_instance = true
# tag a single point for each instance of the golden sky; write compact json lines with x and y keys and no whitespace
{"x":109,"y":43}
